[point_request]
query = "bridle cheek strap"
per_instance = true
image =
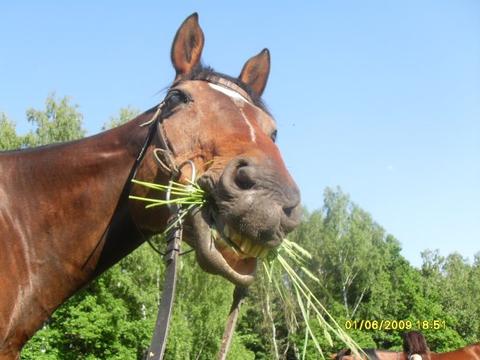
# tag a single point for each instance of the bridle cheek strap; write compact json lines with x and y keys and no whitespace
{"x":164,"y":156}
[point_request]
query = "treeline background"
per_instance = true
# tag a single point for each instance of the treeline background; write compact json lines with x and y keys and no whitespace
{"x":363,"y":276}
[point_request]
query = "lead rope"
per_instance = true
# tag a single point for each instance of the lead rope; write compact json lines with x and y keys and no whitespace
{"x":174,"y":240}
{"x":159,"y":339}
{"x":239,"y":294}
{"x":158,"y":344}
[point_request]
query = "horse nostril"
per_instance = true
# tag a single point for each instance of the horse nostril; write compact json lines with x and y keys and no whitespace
{"x":292,"y":217}
{"x":243,"y":177}
{"x":288,"y":210}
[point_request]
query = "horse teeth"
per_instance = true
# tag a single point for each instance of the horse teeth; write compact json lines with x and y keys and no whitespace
{"x":214,"y":233}
{"x":243,"y":246}
{"x":218,"y":238}
{"x":237,"y":239}
{"x":263,"y":253}
{"x":255,"y":250}
{"x":246,"y":246}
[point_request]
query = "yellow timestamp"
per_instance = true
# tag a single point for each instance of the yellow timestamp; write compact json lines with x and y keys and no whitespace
{"x":393,"y":325}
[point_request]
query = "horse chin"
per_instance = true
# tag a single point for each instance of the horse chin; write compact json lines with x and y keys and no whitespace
{"x":214,"y":253}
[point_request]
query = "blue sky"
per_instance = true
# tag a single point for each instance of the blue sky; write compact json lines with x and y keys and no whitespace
{"x":381,"y":98}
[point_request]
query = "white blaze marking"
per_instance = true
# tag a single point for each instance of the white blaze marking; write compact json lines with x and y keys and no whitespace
{"x":236,"y":96}
{"x":253,"y":135}
{"x":229,"y":92}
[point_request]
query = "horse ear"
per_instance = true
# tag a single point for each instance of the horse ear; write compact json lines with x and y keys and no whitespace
{"x":187,"y":46}
{"x":255,"y":71}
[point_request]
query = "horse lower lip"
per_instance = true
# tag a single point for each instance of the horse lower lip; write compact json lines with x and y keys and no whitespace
{"x":244,"y":266}
{"x":211,"y":255}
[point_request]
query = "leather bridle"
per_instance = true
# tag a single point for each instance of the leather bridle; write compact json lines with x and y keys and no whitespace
{"x":166,"y":161}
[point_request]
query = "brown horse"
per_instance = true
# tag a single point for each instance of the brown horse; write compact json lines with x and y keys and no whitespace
{"x":471,"y":352}
{"x":414,"y":347}
{"x":65,"y":215}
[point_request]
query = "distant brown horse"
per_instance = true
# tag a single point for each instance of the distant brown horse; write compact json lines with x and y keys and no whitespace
{"x":471,"y":352}
{"x":65,"y":216}
{"x":414,"y":346}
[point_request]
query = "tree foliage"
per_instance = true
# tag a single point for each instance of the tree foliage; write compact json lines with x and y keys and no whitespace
{"x":124,"y":115}
{"x":362,"y":271}
{"x":9,"y":140}
{"x":60,"y":121}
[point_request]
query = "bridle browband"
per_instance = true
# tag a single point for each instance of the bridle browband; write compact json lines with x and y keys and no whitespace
{"x":164,"y":156}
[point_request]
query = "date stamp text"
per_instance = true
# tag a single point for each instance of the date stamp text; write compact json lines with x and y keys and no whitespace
{"x":394,"y":325}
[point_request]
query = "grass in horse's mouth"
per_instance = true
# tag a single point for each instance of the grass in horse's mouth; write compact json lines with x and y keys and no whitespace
{"x":190,"y":197}
{"x":184,"y":194}
{"x":241,"y":253}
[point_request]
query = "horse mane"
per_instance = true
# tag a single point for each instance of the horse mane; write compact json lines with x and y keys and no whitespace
{"x":414,"y":343}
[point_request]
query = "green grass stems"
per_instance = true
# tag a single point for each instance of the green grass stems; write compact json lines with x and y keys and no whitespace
{"x":279,"y":263}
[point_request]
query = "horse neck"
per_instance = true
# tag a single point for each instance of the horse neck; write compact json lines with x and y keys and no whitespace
{"x":475,"y":349}
{"x":57,"y":206}
{"x":390,"y":355}
{"x":86,"y":182}
{"x":470,"y":352}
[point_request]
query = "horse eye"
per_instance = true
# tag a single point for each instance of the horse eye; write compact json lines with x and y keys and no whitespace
{"x":273,"y":135}
{"x":176,"y":97}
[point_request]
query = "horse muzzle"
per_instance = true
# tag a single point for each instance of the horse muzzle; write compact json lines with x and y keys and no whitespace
{"x":250,"y":210}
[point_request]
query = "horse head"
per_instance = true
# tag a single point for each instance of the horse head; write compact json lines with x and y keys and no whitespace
{"x":220,"y":124}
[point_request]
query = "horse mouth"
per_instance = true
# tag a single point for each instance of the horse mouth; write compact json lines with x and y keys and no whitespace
{"x":224,"y":251}
{"x":238,"y":250}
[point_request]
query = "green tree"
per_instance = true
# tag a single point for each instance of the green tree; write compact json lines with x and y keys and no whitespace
{"x":201,"y":308}
{"x":450,"y":288}
{"x":124,"y":115}
{"x":110,"y":319}
{"x":60,"y":121}
{"x":458,"y":282}
{"x":350,"y":252}
{"x":9,"y":140}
